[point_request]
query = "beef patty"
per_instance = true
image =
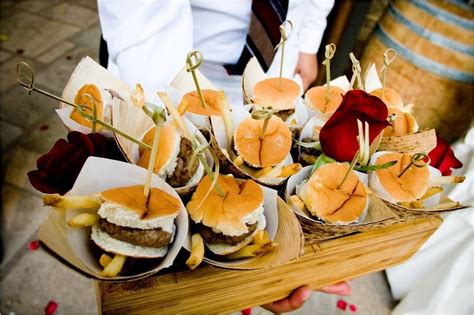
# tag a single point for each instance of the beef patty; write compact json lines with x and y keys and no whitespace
{"x":284,"y":114}
{"x":149,"y":238}
{"x":211,"y":237}
{"x":184,"y":170}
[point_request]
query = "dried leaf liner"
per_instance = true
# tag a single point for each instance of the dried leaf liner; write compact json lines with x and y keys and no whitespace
{"x":88,"y":71}
{"x":220,"y":145}
{"x":284,"y":229}
{"x":75,"y":246}
{"x":252,"y":75}
{"x":377,"y":212}
{"x":436,"y":203}
{"x":133,"y":121}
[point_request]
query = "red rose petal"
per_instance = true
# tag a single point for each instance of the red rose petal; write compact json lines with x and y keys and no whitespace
{"x":338,"y":136}
{"x":353,"y":308}
{"x":51,"y":308}
{"x":44,"y":127}
{"x":33,"y":245}
{"x":442,"y":157}
{"x":341,"y":304}
{"x":247,"y":311}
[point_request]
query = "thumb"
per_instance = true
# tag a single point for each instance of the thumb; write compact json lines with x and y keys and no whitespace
{"x":341,"y":288}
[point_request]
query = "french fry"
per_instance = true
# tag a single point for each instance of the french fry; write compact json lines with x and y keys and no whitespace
{"x":291,"y":169}
{"x":417,"y":204}
{"x":261,"y":237}
{"x":440,"y":180}
{"x":262,"y":172}
{"x":253,"y":250}
{"x":83,"y":220}
{"x":238,"y":161}
{"x":71,"y":202}
{"x":296,"y":201}
{"x":431,"y":192}
{"x":138,"y":96}
{"x":197,"y":251}
{"x":175,"y":113}
{"x":114,"y":267}
{"x":104,"y":260}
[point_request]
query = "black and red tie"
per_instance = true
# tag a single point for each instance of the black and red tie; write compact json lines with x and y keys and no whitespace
{"x":263,"y":35}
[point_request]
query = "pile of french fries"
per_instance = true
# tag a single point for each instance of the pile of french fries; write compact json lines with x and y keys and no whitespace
{"x":260,"y":245}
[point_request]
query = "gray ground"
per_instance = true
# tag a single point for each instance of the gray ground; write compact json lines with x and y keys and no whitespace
{"x":53,"y":36}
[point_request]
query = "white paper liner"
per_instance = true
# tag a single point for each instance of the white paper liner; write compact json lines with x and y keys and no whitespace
{"x":99,"y":174}
{"x":341,"y":82}
{"x":372,"y":81}
{"x":377,"y":187}
{"x":298,"y":178}
{"x":254,"y":73}
{"x":238,"y":114}
{"x":270,"y":211}
{"x":87,"y":72}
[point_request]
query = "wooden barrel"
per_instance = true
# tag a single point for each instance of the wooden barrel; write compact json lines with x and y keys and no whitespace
{"x":435,"y":64}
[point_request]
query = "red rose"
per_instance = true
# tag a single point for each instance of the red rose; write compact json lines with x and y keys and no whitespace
{"x":338,"y":136}
{"x":442,"y":157}
{"x":58,"y":169}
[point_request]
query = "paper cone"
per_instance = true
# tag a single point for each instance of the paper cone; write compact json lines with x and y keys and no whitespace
{"x":283,"y":228}
{"x":74,"y":245}
{"x":436,"y":203}
{"x":376,"y":212}
{"x":219,"y":143}
{"x":88,"y":72}
{"x":133,"y":121}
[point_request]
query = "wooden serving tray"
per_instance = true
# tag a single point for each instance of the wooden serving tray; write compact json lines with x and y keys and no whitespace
{"x":210,"y":290}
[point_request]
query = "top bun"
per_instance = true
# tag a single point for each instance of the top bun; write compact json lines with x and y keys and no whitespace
{"x":411,"y":186}
{"x":269,"y":151}
{"x":404,"y":123}
{"x":325,"y":200}
{"x":168,"y":150}
{"x":267,"y":93}
{"x":128,"y":206}
{"x":82,"y":99}
{"x":315,"y":98}
{"x":391,"y":98}
{"x":191,"y":102}
{"x":229,"y":214}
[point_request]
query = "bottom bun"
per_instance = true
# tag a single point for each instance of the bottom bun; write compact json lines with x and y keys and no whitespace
{"x":112,"y":245}
{"x":226,"y":249}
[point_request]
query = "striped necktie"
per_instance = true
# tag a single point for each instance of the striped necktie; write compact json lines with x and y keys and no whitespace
{"x":263,"y":35}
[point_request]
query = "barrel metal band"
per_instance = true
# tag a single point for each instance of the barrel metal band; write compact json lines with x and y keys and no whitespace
{"x":433,"y":37}
{"x":461,"y":4}
{"x":421,"y":61}
{"x":444,"y":15}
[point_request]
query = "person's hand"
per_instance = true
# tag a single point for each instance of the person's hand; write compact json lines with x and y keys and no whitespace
{"x":300,"y":295}
{"x":307,"y":68}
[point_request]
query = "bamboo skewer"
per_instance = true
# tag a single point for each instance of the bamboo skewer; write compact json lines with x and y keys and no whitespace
{"x":284,"y":37}
{"x":191,"y":66}
{"x":441,"y":180}
{"x":387,"y":60}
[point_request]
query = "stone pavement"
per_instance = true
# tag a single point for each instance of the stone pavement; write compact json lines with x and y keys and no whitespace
{"x":53,"y":36}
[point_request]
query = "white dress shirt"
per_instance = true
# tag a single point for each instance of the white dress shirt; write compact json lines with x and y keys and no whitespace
{"x":148,"y":40}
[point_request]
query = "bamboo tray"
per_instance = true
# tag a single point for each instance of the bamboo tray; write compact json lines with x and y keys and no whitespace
{"x":210,"y":290}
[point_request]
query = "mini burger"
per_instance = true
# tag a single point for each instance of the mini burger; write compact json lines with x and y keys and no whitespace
{"x":387,"y":183}
{"x":133,"y":225}
{"x":191,"y":103}
{"x":331,"y":203}
{"x":390,"y":97}
{"x":402,"y":123}
{"x":281,"y":99}
{"x":100,"y":101}
{"x":315,"y":99}
{"x":227,"y":223}
{"x":173,"y":160}
{"x":269,"y":150}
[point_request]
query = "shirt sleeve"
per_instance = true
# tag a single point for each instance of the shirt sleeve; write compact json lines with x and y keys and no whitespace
{"x":312,"y":29}
{"x":147,"y":39}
